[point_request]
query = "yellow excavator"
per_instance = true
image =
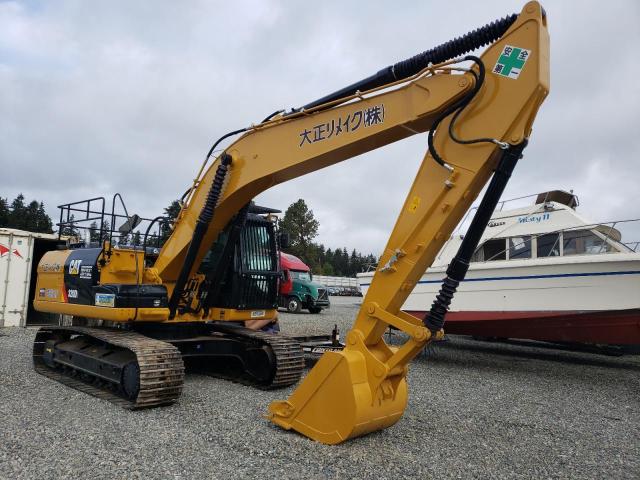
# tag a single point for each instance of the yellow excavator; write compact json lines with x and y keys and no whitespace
{"x":218,"y":268}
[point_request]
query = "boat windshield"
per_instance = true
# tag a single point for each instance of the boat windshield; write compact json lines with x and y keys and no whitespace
{"x":584,"y":242}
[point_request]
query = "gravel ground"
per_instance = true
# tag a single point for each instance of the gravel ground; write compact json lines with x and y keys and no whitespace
{"x":476,"y":410}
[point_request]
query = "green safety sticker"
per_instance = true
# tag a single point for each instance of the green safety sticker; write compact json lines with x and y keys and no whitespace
{"x":511,"y":61}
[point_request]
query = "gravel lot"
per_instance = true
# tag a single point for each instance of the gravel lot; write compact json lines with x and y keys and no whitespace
{"x":476,"y":410}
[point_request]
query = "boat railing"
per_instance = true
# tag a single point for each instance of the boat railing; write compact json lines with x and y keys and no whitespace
{"x":502,"y":204}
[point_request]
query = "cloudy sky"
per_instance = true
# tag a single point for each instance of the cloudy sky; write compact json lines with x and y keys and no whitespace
{"x":120,"y":96}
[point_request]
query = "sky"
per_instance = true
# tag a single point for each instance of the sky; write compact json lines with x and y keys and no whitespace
{"x":118,"y":96}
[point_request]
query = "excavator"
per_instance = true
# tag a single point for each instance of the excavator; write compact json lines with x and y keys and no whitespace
{"x":156,"y":313}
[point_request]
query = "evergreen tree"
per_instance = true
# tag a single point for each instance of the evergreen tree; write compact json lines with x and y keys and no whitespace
{"x":18,"y":215}
{"x":43,"y":221}
{"x":171,"y":213}
{"x":338,"y":263}
{"x":70,"y":230}
{"x":345,"y":259}
{"x":302,"y":227}
{"x":31,"y":217}
{"x":328,"y":259}
{"x":354,"y":263}
{"x":94,"y":232}
{"x":137,"y":239}
{"x":327,"y":269}
{"x":4,"y":212}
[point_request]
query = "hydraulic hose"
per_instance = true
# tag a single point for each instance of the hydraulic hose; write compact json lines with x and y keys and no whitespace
{"x":206,"y":215}
{"x":458,"y":267}
{"x":453,"y":48}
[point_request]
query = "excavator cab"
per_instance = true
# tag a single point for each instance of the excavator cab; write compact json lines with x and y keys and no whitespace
{"x":242,"y":267}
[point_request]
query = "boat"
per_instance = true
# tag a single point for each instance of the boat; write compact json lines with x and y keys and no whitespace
{"x":541,"y":272}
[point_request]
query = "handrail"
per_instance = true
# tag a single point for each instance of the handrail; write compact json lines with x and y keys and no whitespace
{"x":92,"y":211}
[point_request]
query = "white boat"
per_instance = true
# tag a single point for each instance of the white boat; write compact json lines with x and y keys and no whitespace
{"x":541,"y":272}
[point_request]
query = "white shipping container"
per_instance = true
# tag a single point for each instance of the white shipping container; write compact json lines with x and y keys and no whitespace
{"x":330,"y":281}
{"x":20,"y":252}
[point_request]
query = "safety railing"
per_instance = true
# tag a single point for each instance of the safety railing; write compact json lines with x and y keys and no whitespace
{"x":89,"y":223}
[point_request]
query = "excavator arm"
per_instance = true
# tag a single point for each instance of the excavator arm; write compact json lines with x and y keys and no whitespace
{"x":479,"y":120}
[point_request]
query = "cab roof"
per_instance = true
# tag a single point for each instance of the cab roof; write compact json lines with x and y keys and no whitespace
{"x":292,"y":262}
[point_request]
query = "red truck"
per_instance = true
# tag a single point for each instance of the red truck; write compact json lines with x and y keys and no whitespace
{"x":297,"y":288}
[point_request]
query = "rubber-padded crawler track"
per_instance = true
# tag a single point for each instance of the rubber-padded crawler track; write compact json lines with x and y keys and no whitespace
{"x":287,"y":353}
{"x":161,"y":366}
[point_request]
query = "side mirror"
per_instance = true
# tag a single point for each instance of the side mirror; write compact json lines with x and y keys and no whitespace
{"x":284,"y":240}
{"x":132,"y":222}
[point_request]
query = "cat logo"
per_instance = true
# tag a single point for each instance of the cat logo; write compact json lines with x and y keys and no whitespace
{"x":74,"y":267}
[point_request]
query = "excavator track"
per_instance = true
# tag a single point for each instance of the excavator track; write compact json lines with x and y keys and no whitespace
{"x":286,"y":355}
{"x":161,"y":369}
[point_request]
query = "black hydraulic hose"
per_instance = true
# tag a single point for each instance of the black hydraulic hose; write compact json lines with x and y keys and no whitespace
{"x":457,"y":108}
{"x":453,"y":48}
{"x":146,"y":233}
{"x":206,"y":215}
{"x":277,"y":112}
{"x":227,"y":135}
{"x":458,"y":267}
{"x":210,"y":152}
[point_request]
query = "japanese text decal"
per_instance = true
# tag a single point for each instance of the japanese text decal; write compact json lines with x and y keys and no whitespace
{"x":337,"y":126}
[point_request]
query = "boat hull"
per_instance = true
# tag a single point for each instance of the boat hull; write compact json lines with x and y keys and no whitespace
{"x":589,"y":299}
{"x":611,"y":327}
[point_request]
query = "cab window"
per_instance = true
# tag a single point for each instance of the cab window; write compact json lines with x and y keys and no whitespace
{"x":299,"y":275}
{"x":256,"y":248}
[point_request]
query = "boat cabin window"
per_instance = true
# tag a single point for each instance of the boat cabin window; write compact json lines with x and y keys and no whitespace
{"x":548,"y":245}
{"x":491,"y":250}
{"x":584,"y":242}
{"x":574,"y":242}
{"x":519,"y":248}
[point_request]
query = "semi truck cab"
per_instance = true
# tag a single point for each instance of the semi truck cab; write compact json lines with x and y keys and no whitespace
{"x":297,"y":288}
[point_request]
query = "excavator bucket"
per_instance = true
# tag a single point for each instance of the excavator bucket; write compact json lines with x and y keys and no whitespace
{"x":356,"y":391}
{"x":335,"y":401}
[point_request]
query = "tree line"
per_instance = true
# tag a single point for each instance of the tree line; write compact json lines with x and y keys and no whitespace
{"x":31,"y":217}
{"x":302,"y":227}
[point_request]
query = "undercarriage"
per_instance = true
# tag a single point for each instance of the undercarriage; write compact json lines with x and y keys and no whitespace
{"x":145,"y":368}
